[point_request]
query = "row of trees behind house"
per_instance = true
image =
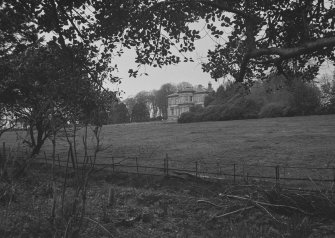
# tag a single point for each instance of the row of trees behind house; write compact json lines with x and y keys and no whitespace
{"x":273,"y":97}
{"x":145,"y":105}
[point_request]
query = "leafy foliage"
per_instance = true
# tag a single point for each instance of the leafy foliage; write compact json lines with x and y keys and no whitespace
{"x":282,"y":36}
{"x":328,"y":95}
{"x":155,"y":100}
{"x":277,"y":35}
{"x":271,"y":98}
{"x":119,"y":114}
{"x":69,"y":24}
{"x":306,"y":98}
{"x":162,"y":101}
{"x":140,"y":113}
{"x":46,"y":89}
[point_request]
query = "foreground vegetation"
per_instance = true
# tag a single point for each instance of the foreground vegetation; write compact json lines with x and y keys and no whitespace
{"x":125,"y":206}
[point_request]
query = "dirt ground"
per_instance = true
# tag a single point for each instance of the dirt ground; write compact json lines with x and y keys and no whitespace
{"x":121,"y":205}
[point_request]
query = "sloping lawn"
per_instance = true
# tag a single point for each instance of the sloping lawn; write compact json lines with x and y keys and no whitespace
{"x":303,"y":141}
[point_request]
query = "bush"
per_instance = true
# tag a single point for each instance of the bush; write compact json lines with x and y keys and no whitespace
{"x":251,"y":108}
{"x":212,"y":113}
{"x":197,"y":109}
{"x":232,"y":112}
{"x":209,"y":99}
{"x":235,"y":109}
{"x":187,"y":117}
{"x":273,"y":110}
{"x":241,"y":108}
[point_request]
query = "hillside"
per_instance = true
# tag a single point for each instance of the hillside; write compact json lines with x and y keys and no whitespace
{"x":292,"y":140}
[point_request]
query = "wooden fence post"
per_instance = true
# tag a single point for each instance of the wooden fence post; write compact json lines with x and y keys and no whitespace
{"x":196,"y":168}
{"x":164,"y":166}
{"x":277,"y":174}
{"x":113,"y":164}
{"x":234,"y":173}
{"x":58,"y":160}
{"x":284,"y":174}
{"x":45,"y":158}
{"x":167,"y":164}
{"x":111,"y":196}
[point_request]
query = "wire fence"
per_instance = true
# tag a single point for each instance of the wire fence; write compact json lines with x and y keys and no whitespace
{"x":298,"y":177}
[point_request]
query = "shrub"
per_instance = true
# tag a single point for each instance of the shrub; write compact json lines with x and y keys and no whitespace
{"x":232,"y":112}
{"x":209,"y":99}
{"x":241,"y":108}
{"x":251,"y":108}
{"x":235,"y":109}
{"x":273,"y":110}
{"x":197,"y":109}
{"x":187,"y":117}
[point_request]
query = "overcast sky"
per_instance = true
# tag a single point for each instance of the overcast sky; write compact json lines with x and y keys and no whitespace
{"x":184,"y":72}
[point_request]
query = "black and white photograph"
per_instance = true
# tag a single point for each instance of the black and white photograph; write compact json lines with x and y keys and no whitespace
{"x":167,"y":118}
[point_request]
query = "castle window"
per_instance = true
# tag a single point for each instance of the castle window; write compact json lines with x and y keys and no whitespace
{"x":191,"y":98}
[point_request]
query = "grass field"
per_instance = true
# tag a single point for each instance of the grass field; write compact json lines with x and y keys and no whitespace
{"x":172,"y":206}
{"x":302,"y":141}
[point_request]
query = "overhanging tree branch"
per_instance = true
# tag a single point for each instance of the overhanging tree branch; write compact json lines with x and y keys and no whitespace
{"x":222,"y":5}
{"x":285,"y":53}
{"x":305,"y":48}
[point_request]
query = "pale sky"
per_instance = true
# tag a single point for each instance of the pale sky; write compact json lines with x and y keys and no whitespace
{"x":183,"y":72}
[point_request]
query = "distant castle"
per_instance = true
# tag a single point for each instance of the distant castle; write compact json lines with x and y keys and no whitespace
{"x":186,"y":98}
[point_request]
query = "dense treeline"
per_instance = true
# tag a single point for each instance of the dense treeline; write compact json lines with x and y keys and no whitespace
{"x":275,"y":97}
{"x":144,"y":106}
{"x":152,"y":105}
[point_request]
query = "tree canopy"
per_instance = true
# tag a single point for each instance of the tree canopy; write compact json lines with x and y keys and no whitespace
{"x":119,"y":114}
{"x":44,"y":88}
{"x":279,"y":36}
{"x":140,"y":112}
{"x":282,"y":36}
